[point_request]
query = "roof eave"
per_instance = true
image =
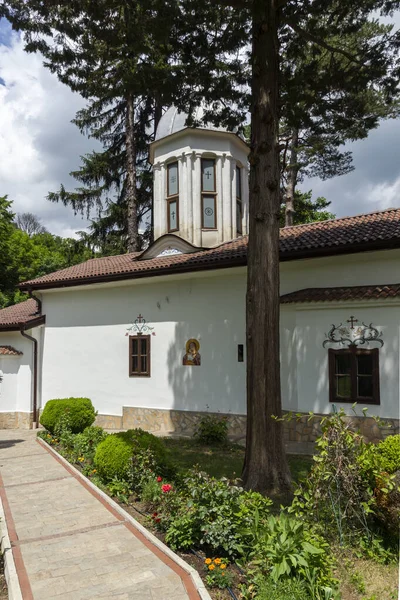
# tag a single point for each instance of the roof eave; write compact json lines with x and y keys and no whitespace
{"x":40,"y":320}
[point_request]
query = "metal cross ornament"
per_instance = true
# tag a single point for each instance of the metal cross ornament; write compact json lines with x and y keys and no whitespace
{"x":352,"y":320}
{"x":140,"y":326}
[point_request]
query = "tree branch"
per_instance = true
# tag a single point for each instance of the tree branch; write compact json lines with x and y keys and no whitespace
{"x":320,"y":42}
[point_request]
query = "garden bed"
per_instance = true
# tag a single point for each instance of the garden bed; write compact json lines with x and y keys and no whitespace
{"x":188,"y":495}
{"x":3,"y":585}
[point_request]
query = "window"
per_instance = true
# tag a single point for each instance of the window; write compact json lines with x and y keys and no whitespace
{"x":354,"y":375}
{"x":239,"y":206}
{"x":208,"y":194}
{"x":173,"y":197}
{"x":139,"y":356}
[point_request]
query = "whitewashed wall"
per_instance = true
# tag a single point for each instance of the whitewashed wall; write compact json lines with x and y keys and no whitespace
{"x":86,"y":351}
{"x":16,"y":387}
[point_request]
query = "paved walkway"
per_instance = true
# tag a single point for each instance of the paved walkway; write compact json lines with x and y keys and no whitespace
{"x":67,"y":542}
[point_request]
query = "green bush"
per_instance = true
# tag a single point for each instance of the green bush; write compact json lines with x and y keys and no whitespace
{"x":85,"y":443}
{"x":292,"y":589}
{"x":389,"y":453}
{"x":212,"y":429}
{"x":213,"y":515}
{"x":81,"y":413}
{"x":113,"y":456}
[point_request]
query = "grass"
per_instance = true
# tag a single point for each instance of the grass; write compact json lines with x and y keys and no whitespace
{"x":222,"y":460}
{"x":362,"y":579}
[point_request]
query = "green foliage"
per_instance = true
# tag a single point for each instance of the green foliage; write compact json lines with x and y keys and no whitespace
{"x":307,"y":210}
{"x":212,"y":514}
{"x":119,"y":489}
{"x":346,"y":490}
{"x":389,"y":453}
{"x":284,"y":547}
{"x":264,"y":588}
{"x":80,"y":413}
{"x":85,"y":443}
{"x":121,"y":452}
{"x":151,"y":492}
{"x":212,"y":429}
{"x":217,"y":574}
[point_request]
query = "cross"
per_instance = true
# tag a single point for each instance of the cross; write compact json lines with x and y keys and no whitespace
{"x":207,"y":174}
{"x":352,"y":320}
{"x":140,"y":318}
{"x":173,"y":215}
{"x":173,"y":178}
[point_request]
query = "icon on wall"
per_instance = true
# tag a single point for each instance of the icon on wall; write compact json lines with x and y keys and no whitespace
{"x":192,"y":356}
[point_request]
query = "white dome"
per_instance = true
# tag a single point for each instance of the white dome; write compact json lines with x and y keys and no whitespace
{"x":173,"y":120}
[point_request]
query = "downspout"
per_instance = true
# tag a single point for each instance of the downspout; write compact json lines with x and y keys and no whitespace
{"x":35,"y":374}
{"x":39,"y":302}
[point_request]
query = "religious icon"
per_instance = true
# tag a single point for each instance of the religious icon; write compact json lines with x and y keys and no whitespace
{"x":192,"y":356}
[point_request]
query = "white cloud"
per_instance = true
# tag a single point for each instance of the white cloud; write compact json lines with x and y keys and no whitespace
{"x":39,"y":145}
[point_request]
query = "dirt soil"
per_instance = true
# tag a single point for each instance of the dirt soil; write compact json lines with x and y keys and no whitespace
{"x":3,"y":585}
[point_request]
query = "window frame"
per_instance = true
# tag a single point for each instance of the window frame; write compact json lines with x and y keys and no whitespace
{"x":173,"y":197}
{"x":140,"y":373}
{"x":208,"y":193}
{"x":354,"y":351}
{"x":239,"y":201}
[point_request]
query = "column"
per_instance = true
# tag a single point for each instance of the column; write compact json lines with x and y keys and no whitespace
{"x":196,"y":198}
{"x":157,"y":200}
{"x":219,"y":161}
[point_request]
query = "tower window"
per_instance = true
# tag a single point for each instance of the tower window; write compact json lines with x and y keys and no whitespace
{"x":172,"y":197}
{"x":239,"y":204}
{"x":208,"y":194}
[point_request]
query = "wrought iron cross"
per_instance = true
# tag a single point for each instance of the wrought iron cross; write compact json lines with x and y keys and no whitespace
{"x":207,"y":174}
{"x":140,"y":319}
{"x":352,"y":320}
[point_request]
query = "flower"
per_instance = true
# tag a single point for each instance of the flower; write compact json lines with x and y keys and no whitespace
{"x":159,"y":479}
{"x":208,"y":561}
{"x":222,"y":567}
{"x":81,"y":459}
{"x":211,"y":567}
{"x":217,"y":561}
{"x":155,"y":515}
{"x":157,"y":520}
{"x":166,"y":488}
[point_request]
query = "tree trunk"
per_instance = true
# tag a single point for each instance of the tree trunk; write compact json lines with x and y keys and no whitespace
{"x":131,"y":191}
{"x":293,"y":170}
{"x":266,"y":468}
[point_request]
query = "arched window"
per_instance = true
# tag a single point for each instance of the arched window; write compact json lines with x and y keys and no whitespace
{"x":208,"y":194}
{"x":173,"y":197}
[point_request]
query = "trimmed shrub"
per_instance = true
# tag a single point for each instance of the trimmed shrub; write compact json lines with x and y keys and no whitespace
{"x":81,"y":413}
{"x":389,"y":453}
{"x":113,"y":455}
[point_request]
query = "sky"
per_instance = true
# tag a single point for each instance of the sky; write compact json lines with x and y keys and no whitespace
{"x":39,"y":147}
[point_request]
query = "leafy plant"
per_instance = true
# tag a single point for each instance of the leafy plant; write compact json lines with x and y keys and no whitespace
{"x":212,"y":429}
{"x":217,"y":574}
{"x":389,"y":453}
{"x":85,"y":443}
{"x":283,"y":547}
{"x":120,"y":490}
{"x":264,"y":588}
{"x":151,"y":492}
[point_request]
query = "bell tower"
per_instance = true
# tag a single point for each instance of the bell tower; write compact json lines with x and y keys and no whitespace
{"x":200,"y":181}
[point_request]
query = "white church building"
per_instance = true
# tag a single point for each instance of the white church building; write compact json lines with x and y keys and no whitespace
{"x":157,"y":338}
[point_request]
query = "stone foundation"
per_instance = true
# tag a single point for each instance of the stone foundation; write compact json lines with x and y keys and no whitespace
{"x":16,"y":420}
{"x":180,"y":422}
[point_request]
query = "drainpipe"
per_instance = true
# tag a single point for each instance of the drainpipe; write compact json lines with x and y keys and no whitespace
{"x":35,"y":374}
{"x":39,"y":302}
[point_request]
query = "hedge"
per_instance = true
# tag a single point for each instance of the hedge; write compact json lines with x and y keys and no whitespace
{"x":81,"y":413}
{"x":112,"y":457}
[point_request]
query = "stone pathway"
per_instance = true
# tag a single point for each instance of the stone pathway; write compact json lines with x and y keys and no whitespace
{"x":68,"y":543}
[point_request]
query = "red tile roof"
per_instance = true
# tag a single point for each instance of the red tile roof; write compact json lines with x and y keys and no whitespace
{"x":363,"y":292}
{"x":23,"y":313}
{"x":377,"y":230}
{"x":9,"y":351}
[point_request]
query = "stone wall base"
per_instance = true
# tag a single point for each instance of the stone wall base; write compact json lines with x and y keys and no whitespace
{"x":180,"y":422}
{"x":16,"y":420}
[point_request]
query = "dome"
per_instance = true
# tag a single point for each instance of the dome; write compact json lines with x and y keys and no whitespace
{"x":173,"y":120}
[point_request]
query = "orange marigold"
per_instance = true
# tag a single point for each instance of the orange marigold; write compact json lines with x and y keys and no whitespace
{"x":223,"y":567}
{"x":217,"y":561}
{"x":208,"y":561}
{"x":211,"y":567}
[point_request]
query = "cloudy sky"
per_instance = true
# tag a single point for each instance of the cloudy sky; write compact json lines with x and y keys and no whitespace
{"x":39,"y":146}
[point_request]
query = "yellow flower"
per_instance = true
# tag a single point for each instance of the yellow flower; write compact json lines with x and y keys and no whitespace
{"x":211,"y":567}
{"x":208,"y":561}
{"x":217,"y":561}
{"x":223,"y":567}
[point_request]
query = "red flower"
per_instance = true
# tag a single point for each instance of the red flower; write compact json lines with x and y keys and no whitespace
{"x":166,"y":488}
{"x":159,"y":478}
{"x":155,"y":514}
{"x":158,"y":520}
